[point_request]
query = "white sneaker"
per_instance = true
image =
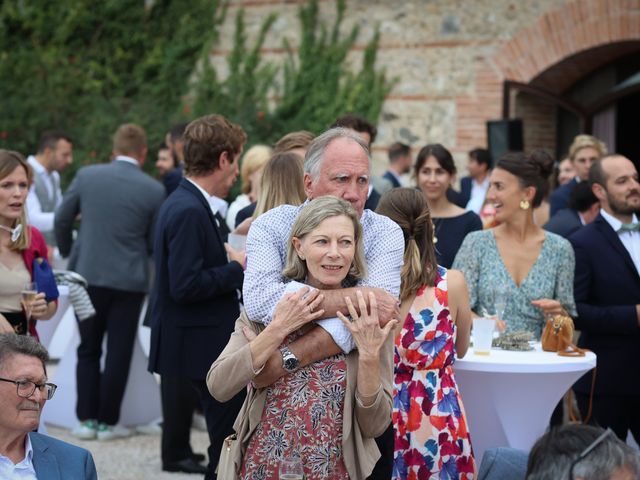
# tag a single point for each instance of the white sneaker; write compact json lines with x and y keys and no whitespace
{"x":198,"y":422}
{"x":154,"y":427}
{"x":86,"y":430}
{"x":112,"y":432}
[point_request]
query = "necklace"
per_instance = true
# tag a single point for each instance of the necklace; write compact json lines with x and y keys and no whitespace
{"x":436,"y":227}
{"x":15,"y":232}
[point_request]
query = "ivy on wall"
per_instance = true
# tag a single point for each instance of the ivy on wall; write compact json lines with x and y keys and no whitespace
{"x":86,"y":67}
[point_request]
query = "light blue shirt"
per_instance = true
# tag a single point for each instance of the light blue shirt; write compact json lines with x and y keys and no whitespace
{"x":267,"y":245}
{"x":23,"y":470}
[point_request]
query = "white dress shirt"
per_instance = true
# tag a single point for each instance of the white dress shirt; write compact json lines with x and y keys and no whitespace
{"x":478,"y":194}
{"x":43,"y":221}
{"x":23,"y":470}
{"x":216,"y":204}
{"x":630,"y":240}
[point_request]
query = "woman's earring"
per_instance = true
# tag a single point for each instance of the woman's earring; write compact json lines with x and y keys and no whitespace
{"x":524,"y":204}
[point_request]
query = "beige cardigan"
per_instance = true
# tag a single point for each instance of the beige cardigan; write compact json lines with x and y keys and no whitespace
{"x":233,"y":370}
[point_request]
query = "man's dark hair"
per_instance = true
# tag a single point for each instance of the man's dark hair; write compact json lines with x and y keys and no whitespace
{"x":50,"y":139}
{"x":176,"y":132}
{"x":398,"y":150}
{"x":206,"y":138}
{"x":552,"y":455}
{"x":582,"y":197}
{"x":357,"y":123}
{"x":12,"y":344}
{"x":596,"y":172}
{"x":482,"y":156}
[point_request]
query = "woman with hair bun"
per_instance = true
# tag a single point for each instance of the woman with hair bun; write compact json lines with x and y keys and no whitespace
{"x":532,"y":268}
{"x":431,"y":434}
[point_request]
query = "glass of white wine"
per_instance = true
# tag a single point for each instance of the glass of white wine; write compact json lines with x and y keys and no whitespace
{"x":29,"y":292}
{"x":291,"y":469}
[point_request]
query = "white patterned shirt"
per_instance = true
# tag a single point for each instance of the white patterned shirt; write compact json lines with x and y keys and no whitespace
{"x":266,"y":252}
{"x":23,"y":470}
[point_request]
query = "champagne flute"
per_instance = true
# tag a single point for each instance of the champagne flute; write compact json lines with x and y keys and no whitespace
{"x":29,"y":292}
{"x":291,"y":469}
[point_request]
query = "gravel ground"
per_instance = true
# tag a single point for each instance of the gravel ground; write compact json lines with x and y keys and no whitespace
{"x":133,"y":458}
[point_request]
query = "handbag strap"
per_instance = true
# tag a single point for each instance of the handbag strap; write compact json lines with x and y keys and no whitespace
{"x":587,"y":417}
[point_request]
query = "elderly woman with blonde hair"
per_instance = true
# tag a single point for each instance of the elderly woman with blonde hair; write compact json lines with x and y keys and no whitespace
{"x":327,"y":413}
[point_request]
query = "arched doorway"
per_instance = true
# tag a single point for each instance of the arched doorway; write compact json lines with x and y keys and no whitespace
{"x":595,"y":91}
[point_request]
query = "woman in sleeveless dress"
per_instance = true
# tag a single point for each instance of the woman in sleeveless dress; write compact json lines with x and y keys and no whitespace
{"x":431,"y":435}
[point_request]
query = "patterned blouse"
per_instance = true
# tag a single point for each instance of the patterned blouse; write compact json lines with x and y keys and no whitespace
{"x":550,"y":277}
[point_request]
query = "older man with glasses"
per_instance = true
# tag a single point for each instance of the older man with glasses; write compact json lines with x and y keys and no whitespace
{"x":24,"y":390}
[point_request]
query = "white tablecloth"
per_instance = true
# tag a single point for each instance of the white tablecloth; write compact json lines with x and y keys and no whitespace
{"x":509,"y":396}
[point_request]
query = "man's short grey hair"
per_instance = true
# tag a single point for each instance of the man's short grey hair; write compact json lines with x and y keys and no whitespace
{"x":12,"y":344}
{"x":315,"y":153}
{"x":552,"y":455}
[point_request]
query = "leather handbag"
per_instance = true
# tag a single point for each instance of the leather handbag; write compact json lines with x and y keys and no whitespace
{"x":557,"y":336}
{"x":226,"y":465}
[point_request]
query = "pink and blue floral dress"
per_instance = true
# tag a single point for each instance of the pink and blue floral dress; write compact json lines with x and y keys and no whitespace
{"x":431,"y":435}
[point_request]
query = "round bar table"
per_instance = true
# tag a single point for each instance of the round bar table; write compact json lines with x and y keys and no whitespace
{"x":509,"y":396}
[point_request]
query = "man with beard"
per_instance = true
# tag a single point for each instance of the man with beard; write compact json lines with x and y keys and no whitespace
{"x":607,"y":293}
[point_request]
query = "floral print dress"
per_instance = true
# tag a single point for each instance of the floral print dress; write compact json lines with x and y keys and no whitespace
{"x":431,"y":436}
{"x":302,"y":418}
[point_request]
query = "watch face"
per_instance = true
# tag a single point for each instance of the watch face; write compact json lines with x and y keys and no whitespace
{"x":291,"y":363}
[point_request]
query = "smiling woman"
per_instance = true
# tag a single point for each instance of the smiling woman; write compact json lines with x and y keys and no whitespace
{"x":20,"y":244}
{"x":534,"y":267}
{"x":435,"y":171}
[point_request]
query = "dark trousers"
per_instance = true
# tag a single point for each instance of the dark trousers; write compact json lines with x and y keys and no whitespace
{"x":618,"y":412}
{"x":220,"y":418}
{"x":100,"y":393}
{"x":382,"y":470}
{"x":179,"y":399}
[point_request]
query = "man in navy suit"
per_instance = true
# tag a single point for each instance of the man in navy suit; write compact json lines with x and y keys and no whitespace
{"x":23,"y":392}
{"x":607,"y":293}
{"x":584,"y":150}
{"x":583,"y":209}
{"x":197,"y":281}
{"x":399,"y":163}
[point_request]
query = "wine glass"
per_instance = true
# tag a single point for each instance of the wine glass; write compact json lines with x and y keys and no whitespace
{"x":291,"y":469}
{"x":499,"y":306}
{"x":29,"y":292}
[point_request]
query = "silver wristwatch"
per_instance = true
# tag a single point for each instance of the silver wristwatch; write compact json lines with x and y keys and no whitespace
{"x":289,"y":361}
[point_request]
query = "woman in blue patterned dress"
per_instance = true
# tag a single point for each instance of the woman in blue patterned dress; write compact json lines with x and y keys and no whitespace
{"x":534,"y":267}
{"x":431,"y":435}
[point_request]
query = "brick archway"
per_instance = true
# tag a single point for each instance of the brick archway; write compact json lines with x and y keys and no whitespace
{"x":576,"y":27}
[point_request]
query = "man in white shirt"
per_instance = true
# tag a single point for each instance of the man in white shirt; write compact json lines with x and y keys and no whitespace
{"x":607,"y":293}
{"x":55,"y":153}
{"x":337,"y":163}
{"x":24,"y":391}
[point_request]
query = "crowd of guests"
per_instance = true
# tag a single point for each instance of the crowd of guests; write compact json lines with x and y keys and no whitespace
{"x":331,"y":336}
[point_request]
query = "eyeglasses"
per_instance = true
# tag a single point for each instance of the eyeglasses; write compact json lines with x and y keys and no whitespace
{"x":25,"y":388}
{"x":589,"y":449}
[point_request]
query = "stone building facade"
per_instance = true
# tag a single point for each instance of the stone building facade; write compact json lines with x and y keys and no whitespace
{"x":453,"y":57}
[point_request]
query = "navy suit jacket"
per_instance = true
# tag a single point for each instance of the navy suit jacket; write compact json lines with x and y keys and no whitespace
{"x":57,"y":460}
{"x":462,"y":197}
{"x":195,"y":301}
{"x":392,"y":179}
{"x":559,"y":199}
{"x":607,"y":290}
{"x":172,"y":179}
{"x":564,"y":223}
{"x":372,"y":201}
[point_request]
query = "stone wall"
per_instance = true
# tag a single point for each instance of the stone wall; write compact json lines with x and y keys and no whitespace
{"x":451,"y":57}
